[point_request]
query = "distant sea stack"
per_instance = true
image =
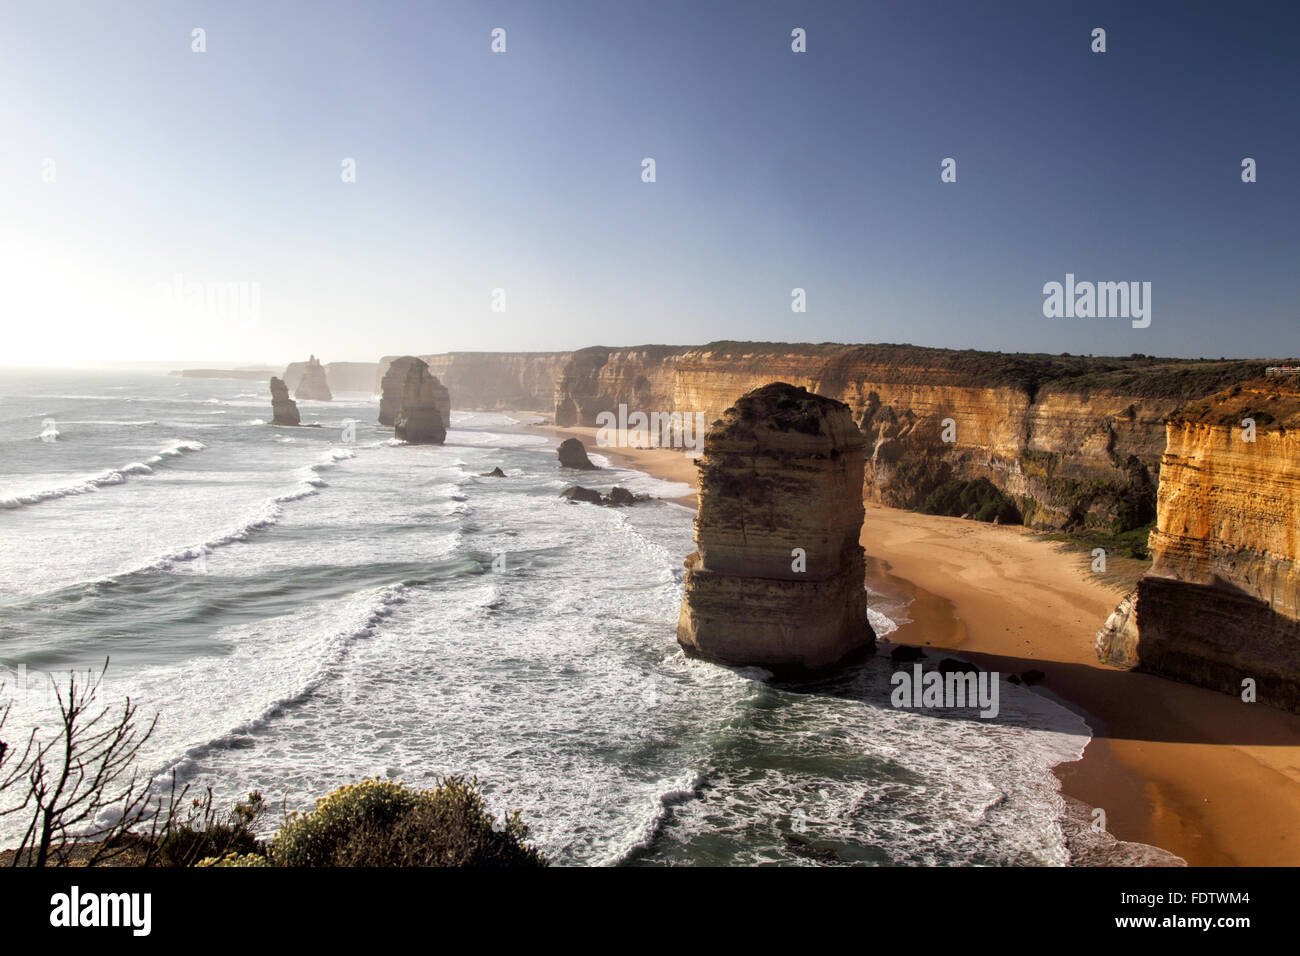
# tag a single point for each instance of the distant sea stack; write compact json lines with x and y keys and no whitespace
{"x":420,"y":416}
{"x":314,"y":386}
{"x":283,"y":408}
{"x":1222,"y":600}
{"x":777,"y":578}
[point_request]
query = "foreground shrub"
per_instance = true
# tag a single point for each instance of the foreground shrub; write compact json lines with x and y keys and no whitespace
{"x":206,"y":834}
{"x":382,"y":823}
{"x":235,"y":859}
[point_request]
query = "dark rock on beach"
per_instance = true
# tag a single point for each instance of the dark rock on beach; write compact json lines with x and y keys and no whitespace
{"x":906,"y":653}
{"x":494,"y":473}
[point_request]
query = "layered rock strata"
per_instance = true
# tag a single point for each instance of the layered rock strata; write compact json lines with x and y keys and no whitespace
{"x":1075,"y":441}
{"x":284,"y":410}
{"x":1222,"y":600}
{"x":419,"y":418}
{"x":314,"y":386}
{"x":777,"y":578}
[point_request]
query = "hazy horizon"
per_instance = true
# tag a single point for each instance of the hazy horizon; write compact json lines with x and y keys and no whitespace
{"x":220,"y":364}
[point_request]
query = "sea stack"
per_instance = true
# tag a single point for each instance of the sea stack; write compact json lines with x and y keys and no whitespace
{"x":778,"y":576}
{"x":314,"y":386}
{"x":284,"y":410}
{"x":390,"y":389}
{"x":419,"y":419}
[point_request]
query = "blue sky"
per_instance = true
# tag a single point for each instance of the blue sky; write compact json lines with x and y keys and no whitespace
{"x":522,"y":171}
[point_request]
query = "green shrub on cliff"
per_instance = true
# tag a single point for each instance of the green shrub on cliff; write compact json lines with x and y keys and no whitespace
{"x":980,"y":499}
{"x":381,"y":823}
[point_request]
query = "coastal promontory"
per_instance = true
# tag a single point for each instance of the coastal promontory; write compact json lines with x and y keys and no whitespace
{"x":1221,"y":604}
{"x":777,"y":576}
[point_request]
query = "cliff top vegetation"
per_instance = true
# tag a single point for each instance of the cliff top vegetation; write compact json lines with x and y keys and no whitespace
{"x":1274,"y":403}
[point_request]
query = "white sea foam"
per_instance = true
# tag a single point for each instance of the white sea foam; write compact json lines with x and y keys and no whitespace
{"x":116,"y":476}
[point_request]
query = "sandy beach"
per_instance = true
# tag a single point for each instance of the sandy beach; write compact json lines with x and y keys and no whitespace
{"x":1195,"y":772}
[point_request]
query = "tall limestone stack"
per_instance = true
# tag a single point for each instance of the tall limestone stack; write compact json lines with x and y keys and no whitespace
{"x":777,"y":578}
{"x":390,"y":389}
{"x":284,"y":410}
{"x":419,"y":419}
{"x":1222,"y":600}
{"x":314,"y":386}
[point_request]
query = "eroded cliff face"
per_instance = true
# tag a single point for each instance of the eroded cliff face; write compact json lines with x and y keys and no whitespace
{"x":493,"y":380}
{"x":777,"y":577}
{"x":1222,"y":600}
{"x":1076,"y":441}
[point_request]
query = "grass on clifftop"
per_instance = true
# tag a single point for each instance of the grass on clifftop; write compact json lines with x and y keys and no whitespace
{"x":1139,"y":375}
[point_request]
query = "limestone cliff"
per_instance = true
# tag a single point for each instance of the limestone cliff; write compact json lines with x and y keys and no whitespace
{"x":1075,"y":440}
{"x":419,"y":417}
{"x":313,"y":385}
{"x":1222,"y":600}
{"x":284,"y":410}
{"x":777,"y":577}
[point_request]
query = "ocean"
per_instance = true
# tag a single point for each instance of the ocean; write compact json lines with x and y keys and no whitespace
{"x":302,"y":611}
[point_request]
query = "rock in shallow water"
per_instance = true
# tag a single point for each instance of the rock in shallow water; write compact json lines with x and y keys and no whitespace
{"x":573,"y":454}
{"x":617,"y":497}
